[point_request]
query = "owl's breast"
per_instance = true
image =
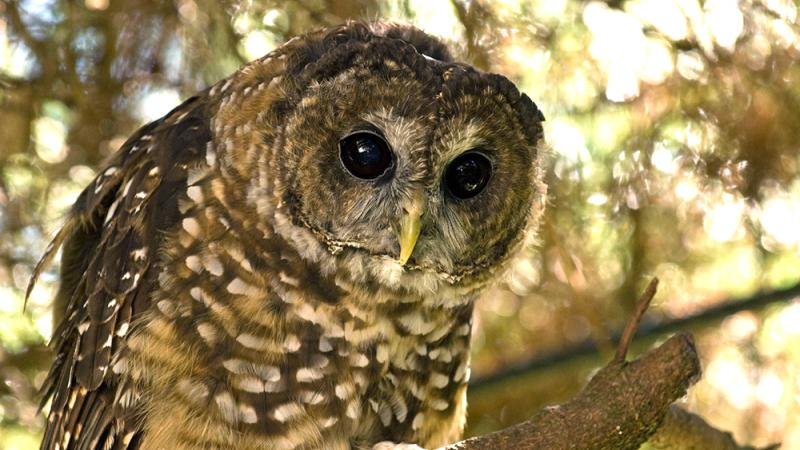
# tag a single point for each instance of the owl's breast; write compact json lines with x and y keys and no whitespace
{"x":252,"y":338}
{"x":413,"y":387}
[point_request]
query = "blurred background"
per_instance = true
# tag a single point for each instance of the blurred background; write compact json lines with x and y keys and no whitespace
{"x":674,"y":141}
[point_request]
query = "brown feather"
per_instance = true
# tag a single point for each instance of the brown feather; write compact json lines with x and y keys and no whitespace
{"x":112,"y":237}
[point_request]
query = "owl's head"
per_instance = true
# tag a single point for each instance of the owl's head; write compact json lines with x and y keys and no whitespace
{"x":387,"y":159}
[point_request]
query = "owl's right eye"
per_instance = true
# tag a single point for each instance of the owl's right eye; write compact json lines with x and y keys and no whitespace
{"x":365,"y":154}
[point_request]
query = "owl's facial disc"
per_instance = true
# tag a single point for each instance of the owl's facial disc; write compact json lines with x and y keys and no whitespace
{"x":406,"y":170}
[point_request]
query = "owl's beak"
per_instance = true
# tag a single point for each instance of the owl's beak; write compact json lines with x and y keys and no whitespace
{"x":410,"y":225}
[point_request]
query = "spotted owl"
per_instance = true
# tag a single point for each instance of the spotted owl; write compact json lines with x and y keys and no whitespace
{"x":289,"y":259}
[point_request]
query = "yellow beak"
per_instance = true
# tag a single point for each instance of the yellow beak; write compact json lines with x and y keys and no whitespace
{"x":410,"y":224}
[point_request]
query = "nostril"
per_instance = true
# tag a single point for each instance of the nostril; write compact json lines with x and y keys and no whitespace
{"x":409,"y":210}
{"x":414,"y":205}
{"x":413,"y":209}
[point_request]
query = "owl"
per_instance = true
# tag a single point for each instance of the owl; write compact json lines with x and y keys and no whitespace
{"x":289,"y":259}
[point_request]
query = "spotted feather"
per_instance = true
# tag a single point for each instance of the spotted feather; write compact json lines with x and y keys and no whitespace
{"x":121,"y":217}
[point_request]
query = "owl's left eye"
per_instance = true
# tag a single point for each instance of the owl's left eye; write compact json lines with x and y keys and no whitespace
{"x":365,"y":154}
{"x":468,"y":174}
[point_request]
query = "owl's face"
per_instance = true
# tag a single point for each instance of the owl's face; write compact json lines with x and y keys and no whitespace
{"x":400,"y":159}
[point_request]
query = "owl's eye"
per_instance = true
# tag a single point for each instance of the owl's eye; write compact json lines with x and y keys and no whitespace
{"x":365,"y":154}
{"x":468,"y":174}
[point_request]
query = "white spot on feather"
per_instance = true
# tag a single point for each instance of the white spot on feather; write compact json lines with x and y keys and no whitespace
{"x":400,"y":408}
{"x":385,"y":413}
{"x":359,"y":360}
{"x":307,"y":313}
{"x":250,"y":384}
{"x":166,"y":307}
{"x":195,"y":392}
{"x":416,"y":324}
{"x":307,"y":375}
{"x":419,"y":419}
{"x":120,"y":366}
{"x":439,"y":404}
{"x":211,"y":155}
{"x":344,"y":391}
{"x":285,"y":278}
{"x":248,"y":414}
{"x":329,"y":422}
{"x":439,"y":380}
{"x":127,"y":188}
{"x":288,"y":411}
{"x":139,"y":254}
{"x":253,"y":342}
{"x":324,"y":344}
{"x":239,"y":287}
{"x":245,"y":263}
{"x":195,"y":193}
{"x":311,"y":398}
{"x":227,"y":406}
{"x":213,"y":265}
{"x":353,"y":410}
{"x":462,"y":372}
{"x":382,"y":353}
{"x":191,"y":226}
{"x":264,"y":372}
{"x":291,"y":344}
{"x":207,"y":331}
{"x":195,"y":175}
{"x":111,"y":211}
{"x":319,"y":361}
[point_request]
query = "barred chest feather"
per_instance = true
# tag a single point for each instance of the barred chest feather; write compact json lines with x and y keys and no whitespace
{"x":253,"y":346}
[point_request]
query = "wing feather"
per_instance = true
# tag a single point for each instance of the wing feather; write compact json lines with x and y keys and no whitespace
{"x":110,"y":244}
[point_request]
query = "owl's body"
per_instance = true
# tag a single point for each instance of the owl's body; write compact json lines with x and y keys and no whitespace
{"x":230,"y":285}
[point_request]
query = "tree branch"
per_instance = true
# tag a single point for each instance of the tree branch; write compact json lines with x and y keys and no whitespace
{"x":620,"y":408}
{"x":682,"y":429}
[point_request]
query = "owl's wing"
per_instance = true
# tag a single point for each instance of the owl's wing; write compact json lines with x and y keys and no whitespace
{"x":111,"y":244}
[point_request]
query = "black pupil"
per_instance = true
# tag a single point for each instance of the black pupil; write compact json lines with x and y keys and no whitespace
{"x":468,"y":174}
{"x":365,"y":154}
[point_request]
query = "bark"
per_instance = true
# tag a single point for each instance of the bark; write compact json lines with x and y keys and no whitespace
{"x":623,"y":405}
{"x":620,"y":408}
{"x":688,"y":431}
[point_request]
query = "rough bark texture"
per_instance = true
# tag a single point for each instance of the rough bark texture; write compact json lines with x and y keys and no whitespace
{"x":686,"y":431}
{"x":620,"y":408}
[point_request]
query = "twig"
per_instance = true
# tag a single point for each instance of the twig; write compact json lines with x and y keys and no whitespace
{"x":648,"y":329}
{"x":636,"y":318}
